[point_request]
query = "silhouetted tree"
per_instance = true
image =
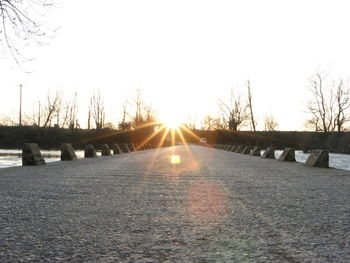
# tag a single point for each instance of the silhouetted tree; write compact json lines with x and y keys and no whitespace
{"x":70,"y":111}
{"x":270,"y":123}
{"x":21,"y":23}
{"x":342,"y":104}
{"x":233,"y":111}
{"x":190,"y":122}
{"x":124,"y":124}
{"x":97,"y":110}
{"x":329,"y":104}
{"x":144,"y":114}
{"x":211,"y":123}
{"x":52,"y":108}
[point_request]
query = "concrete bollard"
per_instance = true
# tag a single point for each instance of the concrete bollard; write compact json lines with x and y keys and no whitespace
{"x":125,"y":147}
{"x":256,"y":151}
{"x":318,"y":158}
{"x":105,"y":151}
{"x":67,"y":152}
{"x":288,"y":155}
{"x":246,"y":150}
{"x":132,"y":147}
{"x":116,"y":149}
{"x":269,"y":153}
{"x":239,"y":148}
{"x":31,"y":155}
{"x":232,"y":148}
{"x":89,"y":151}
{"x":147,"y":146}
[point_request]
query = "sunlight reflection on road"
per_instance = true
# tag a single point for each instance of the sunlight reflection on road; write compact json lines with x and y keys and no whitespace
{"x":175,"y":159}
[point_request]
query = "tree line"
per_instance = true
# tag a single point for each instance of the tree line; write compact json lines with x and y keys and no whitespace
{"x":62,"y":112}
{"x":328,"y":108}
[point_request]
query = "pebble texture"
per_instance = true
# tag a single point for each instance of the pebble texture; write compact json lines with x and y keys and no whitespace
{"x":214,"y":206}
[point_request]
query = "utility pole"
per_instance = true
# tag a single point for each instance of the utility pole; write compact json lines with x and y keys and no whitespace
{"x":250,"y":105}
{"x":39,"y":114}
{"x":20,"y":104}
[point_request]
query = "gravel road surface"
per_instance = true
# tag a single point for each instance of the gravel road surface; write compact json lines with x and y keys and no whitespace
{"x":207,"y":206}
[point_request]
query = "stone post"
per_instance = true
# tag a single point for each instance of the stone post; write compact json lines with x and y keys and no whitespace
{"x":256,"y":151}
{"x":132,"y":147}
{"x":288,"y":155}
{"x":116,"y":148}
{"x":31,"y":155}
{"x":67,"y":152}
{"x":318,"y":158}
{"x":105,"y":151}
{"x":125,"y":147}
{"x":269,"y":153}
{"x":246,"y":150}
{"x":89,"y":151}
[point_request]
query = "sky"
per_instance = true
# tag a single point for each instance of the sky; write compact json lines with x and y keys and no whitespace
{"x":185,"y":55}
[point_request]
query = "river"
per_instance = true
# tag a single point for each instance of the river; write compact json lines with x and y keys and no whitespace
{"x":9,"y":158}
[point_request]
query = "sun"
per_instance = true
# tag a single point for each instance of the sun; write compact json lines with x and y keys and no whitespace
{"x":172,"y":122}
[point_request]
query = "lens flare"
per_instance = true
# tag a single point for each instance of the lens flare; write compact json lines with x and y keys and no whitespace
{"x":175,"y":159}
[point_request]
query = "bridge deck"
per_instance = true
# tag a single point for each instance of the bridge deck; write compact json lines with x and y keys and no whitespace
{"x":138,"y":207}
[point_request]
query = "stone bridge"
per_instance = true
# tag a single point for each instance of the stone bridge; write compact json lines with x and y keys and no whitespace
{"x":174,"y":204}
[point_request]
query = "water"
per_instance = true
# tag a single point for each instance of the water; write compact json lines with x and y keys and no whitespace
{"x":336,"y":160}
{"x":9,"y":158}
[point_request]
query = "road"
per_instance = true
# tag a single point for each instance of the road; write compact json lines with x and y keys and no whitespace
{"x":175,"y":204}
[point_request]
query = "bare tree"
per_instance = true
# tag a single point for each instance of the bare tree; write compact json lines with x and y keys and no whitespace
{"x":144,"y":113}
{"x":234,"y":111}
{"x":270,"y":123}
{"x":137,"y":119}
{"x":213,"y":123}
{"x":52,"y":108}
{"x":190,"y":122}
{"x":124,"y":124}
{"x":21,"y":23}
{"x":97,"y":110}
{"x":8,"y":120}
{"x":70,"y":111}
{"x":329,"y":104}
{"x":342,"y":104}
{"x":33,"y":118}
{"x":250,"y":106}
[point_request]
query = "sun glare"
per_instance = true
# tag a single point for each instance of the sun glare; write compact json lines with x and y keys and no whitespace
{"x":172,"y":123}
